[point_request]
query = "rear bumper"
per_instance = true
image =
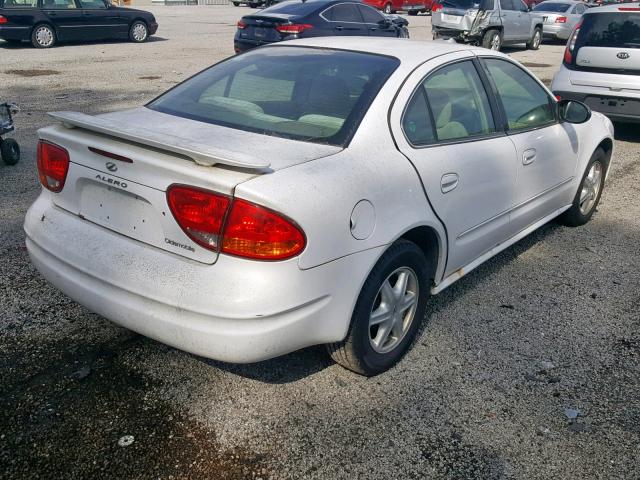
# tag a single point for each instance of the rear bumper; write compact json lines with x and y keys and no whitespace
{"x":153,"y":28}
{"x":240,"y":46}
{"x":560,"y":31}
{"x":14,"y":33}
{"x":236,"y":310}
{"x":619,"y":109}
{"x":462,"y":36}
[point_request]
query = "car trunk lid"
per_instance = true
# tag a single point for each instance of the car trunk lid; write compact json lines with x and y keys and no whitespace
{"x":119,"y":181}
{"x":264,"y":28}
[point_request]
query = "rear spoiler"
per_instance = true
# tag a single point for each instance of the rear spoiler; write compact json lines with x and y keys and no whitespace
{"x":201,"y":154}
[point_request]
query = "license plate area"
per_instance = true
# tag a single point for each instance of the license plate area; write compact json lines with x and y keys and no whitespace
{"x":451,"y":18}
{"x":260,"y":32}
{"x":620,"y":106}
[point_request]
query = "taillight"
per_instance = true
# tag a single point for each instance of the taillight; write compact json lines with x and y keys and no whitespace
{"x":561,"y":20}
{"x":293,"y":28}
{"x":241,"y":25}
{"x":199,"y":213}
{"x":3,"y":19}
{"x":436,"y":7}
{"x":53,"y":165}
{"x":253,"y":231}
{"x":571,"y":44}
{"x":236,"y":227}
{"x":623,"y":9}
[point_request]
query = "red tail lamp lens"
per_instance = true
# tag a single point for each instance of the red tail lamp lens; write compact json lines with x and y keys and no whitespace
{"x":436,"y":7}
{"x":53,"y":165}
{"x":293,"y":29}
{"x":561,"y":20}
{"x":3,"y":19}
{"x":255,"y":232}
{"x":241,"y":25}
{"x":199,"y":213}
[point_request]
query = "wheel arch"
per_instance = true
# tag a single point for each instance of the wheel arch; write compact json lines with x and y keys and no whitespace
{"x":43,"y":22}
{"x":430,"y":241}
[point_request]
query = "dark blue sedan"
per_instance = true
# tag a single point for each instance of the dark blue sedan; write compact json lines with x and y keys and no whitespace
{"x":315,"y":18}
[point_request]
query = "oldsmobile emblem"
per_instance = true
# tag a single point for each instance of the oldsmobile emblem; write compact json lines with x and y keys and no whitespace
{"x":112,"y":167}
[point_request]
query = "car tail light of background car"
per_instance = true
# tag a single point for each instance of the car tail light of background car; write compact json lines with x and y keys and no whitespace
{"x":561,"y":20}
{"x":293,"y":29}
{"x":3,"y":20}
{"x":235,"y":227}
{"x":53,"y":165}
{"x":571,"y":44}
{"x":436,"y":7}
{"x":241,"y":25}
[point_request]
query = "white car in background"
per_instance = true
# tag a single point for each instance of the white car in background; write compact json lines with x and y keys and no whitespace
{"x":601,"y":65}
{"x":309,"y":192}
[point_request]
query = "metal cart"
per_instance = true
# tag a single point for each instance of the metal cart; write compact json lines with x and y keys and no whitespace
{"x":9,"y":148}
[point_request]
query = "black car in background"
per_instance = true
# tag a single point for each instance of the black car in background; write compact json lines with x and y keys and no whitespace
{"x":47,"y":22}
{"x":315,"y":18}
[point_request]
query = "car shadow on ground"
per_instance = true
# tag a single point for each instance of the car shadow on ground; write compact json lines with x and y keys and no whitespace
{"x":26,"y":44}
{"x":627,"y":132}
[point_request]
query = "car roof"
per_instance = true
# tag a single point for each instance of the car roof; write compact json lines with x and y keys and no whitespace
{"x":407,"y":51}
{"x":569,"y":2}
{"x":613,"y":8}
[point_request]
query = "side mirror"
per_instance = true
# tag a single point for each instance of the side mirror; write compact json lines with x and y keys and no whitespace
{"x":573,"y":111}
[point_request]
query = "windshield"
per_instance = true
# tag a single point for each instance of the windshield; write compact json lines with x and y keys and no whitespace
{"x":615,"y":29}
{"x":552,"y":7}
{"x":310,"y":94}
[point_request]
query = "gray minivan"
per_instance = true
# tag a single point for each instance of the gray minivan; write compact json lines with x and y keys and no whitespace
{"x":489,"y":23}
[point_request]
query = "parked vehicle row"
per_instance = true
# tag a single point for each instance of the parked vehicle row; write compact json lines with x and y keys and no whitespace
{"x":304,"y":19}
{"x":44,"y":23}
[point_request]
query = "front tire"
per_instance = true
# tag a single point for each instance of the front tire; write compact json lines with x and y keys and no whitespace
{"x":388,"y":9}
{"x":139,"y":32}
{"x":492,"y":39}
{"x":388,"y":312}
{"x":588,"y":195}
{"x":10,"y":151}
{"x":413,"y":13}
{"x":536,"y":39}
{"x":43,"y":36}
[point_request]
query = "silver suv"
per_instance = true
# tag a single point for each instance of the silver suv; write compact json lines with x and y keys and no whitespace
{"x":601,"y":65}
{"x":489,"y":23}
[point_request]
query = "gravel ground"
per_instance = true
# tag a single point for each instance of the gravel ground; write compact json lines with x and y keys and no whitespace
{"x":545,"y":331}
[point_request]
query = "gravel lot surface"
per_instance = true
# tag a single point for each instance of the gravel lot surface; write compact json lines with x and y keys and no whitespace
{"x":545,"y":331}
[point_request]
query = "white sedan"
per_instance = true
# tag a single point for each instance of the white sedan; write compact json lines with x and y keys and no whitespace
{"x":310,"y":192}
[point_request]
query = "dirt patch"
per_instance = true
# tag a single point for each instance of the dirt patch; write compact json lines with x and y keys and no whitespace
{"x":536,"y":65}
{"x":66,"y":421}
{"x":33,"y":73}
{"x":150,"y":77}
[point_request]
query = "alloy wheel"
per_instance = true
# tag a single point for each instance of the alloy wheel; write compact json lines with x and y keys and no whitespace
{"x":393,"y":310}
{"x":44,"y":36}
{"x":590,"y":188}
{"x":139,"y":32}
{"x":495,"y":42}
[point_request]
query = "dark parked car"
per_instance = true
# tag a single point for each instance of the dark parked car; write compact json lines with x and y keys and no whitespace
{"x":47,"y":22}
{"x":315,"y":18}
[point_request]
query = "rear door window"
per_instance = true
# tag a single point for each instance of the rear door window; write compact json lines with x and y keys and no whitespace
{"x":59,"y":4}
{"x":343,"y":12}
{"x":552,"y":7}
{"x":370,"y":15}
{"x":506,"y":5}
{"x":615,"y":29}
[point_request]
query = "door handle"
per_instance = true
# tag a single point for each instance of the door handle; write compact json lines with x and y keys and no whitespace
{"x":339,"y":27}
{"x":528,"y":156}
{"x":448,"y":182}
{"x":52,"y":14}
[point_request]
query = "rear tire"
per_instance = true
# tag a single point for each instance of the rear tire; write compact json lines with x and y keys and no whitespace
{"x":536,"y":39}
{"x":10,"y":151}
{"x":589,"y":192}
{"x":43,"y":36}
{"x":388,"y":312}
{"x":139,"y":32}
{"x":492,"y":39}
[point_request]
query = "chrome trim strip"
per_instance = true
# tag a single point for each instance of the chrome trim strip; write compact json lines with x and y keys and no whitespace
{"x":514,"y":208}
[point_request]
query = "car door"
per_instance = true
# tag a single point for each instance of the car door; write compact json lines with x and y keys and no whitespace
{"x":375,"y":23}
{"x":523,"y":20}
{"x":547,"y":150}
{"x":509,"y":18}
{"x":66,"y":18}
{"x":101,"y":21}
{"x":444,"y":122}
{"x":345,"y":19}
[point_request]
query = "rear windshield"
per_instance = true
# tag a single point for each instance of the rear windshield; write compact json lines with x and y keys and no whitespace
{"x":292,"y":8}
{"x":469,"y":4}
{"x":552,"y":7}
{"x":315,"y":95}
{"x":615,"y":29}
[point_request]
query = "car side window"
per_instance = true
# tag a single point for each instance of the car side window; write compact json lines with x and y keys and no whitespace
{"x":525,"y":102}
{"x":520,"y":5}
{"x":579,"y":9}
{"x":456,"y":104}
{"x":59,"y":4}
{"x":343,"y":12}
{"x":370,"y":15}
{"x":20,"y":4}
{"x":93,"y":4}
{"x":506,"y":5}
